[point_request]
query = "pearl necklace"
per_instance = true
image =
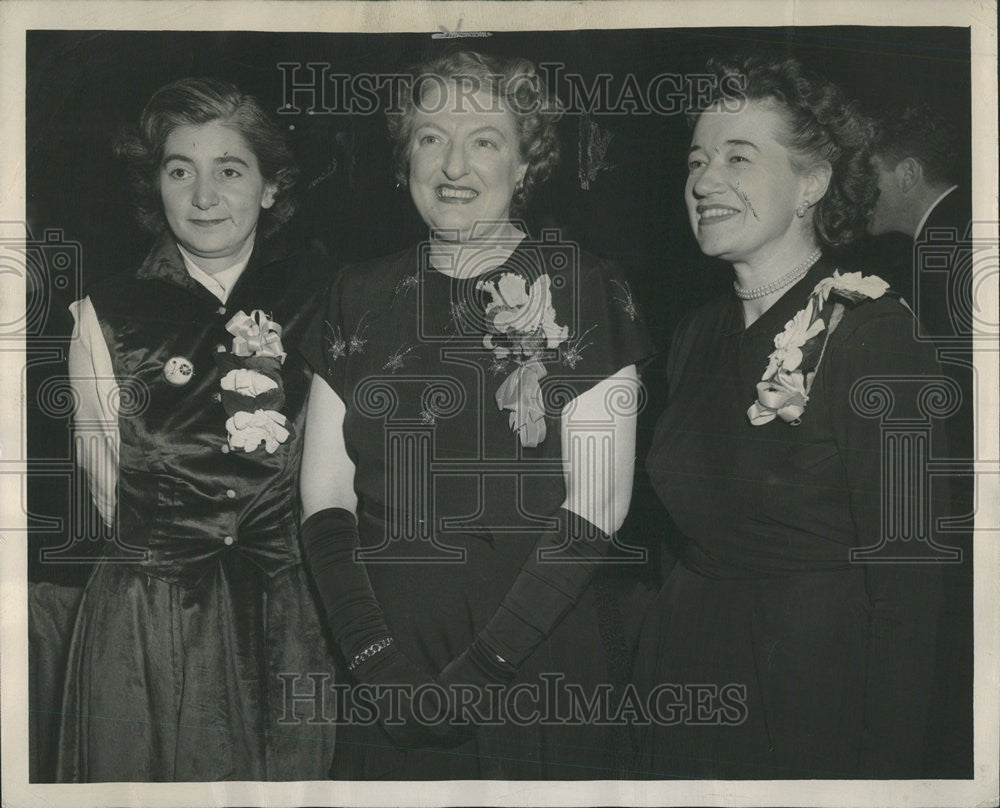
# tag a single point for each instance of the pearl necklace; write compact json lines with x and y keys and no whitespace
{"x":785,"y":280}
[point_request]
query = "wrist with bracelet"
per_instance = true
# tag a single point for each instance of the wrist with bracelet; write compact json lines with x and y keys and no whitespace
{"x":367,"y":653}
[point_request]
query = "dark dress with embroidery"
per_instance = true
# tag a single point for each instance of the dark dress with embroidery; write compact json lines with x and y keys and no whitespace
{"x":775,"y":655}
{"x":194,"y":630}
{"x":450,"y":503}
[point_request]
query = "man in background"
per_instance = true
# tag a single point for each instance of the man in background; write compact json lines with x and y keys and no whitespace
{"x":918,"y":162}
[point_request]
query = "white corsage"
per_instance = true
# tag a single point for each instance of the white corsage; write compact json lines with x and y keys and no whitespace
{"x":248,"y":430}
{"x":783,"y":391}
{"x":251,"y":384}
{"x":523,"y":325}
{"x":247,"y":382}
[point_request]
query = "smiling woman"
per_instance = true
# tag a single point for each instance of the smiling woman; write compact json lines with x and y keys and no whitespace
{"x":436,"y":454}
{"x":772,"y":471}
{"x":465,"y":168}
{"x":743,"y":191}
{"x":198,"y":398}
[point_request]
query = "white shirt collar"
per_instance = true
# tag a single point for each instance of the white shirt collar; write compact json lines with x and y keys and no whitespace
{"x":927,"y":212}
{"x":222,"y":282}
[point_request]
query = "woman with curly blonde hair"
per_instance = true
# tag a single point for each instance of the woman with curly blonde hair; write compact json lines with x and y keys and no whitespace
{"x":454,"y":517}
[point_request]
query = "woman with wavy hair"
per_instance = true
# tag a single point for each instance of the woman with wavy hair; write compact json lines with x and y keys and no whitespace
{"x":469,"y":453}
{"x":192,"y":393}
{"x":787,"y":642}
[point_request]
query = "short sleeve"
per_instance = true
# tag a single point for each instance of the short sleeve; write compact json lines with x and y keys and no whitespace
{"x":92,"y":379}
{"x":607,"y":331}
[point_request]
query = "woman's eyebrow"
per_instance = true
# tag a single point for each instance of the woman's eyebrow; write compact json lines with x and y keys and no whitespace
{"x":492,"y":129}
{"x":226,"y":158}
{"x":749,"y":143}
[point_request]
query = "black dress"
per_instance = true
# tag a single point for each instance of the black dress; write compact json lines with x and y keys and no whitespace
{"x":787,"y":659}
{"x":451,"y":503}
{"x":199,"y":625}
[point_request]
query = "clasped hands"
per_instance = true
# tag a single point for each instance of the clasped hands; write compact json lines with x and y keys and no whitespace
{"x":418,"y":710}
{"x":538,"y":599}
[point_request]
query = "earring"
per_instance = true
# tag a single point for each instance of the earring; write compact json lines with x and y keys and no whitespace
{"x":800,"y":211}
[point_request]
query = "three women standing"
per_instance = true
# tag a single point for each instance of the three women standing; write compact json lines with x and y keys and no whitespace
{"x":468,"y":455}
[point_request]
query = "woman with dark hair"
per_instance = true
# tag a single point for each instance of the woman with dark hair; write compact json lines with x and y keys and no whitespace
{"x":187,"y":370}
{"x":786,"y":648}
{"x":469,"y":452}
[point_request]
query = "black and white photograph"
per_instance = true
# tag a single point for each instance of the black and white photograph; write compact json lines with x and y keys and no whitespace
{"x":448,"y":404}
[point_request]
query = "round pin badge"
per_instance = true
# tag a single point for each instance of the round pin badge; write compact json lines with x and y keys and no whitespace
{"x":178,"y":370}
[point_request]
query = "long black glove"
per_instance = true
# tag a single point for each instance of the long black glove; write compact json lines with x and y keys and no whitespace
{"x":329,"y":540}
{"x":549,"y":584}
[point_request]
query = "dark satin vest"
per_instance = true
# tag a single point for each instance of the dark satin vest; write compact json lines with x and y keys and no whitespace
{"x":184,"y":498}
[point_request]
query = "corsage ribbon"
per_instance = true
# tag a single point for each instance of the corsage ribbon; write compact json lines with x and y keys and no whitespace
{"x":255,"y":334}
{"x":784,"y":396}
{"x":521,"y":393}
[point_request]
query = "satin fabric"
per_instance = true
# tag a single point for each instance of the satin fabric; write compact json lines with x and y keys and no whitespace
{"x":198,"y":627}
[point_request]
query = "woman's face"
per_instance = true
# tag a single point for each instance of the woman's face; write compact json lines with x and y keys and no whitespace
{"x":464,"y":161}
{"x":212,"y":191}
{"x":742,"y":188}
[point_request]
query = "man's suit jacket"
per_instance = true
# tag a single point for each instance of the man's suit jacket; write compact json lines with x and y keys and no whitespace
{"x":942,"y":270}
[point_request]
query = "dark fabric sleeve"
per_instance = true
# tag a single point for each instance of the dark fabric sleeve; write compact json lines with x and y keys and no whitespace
{"x":323,"y":344}
{"x":681,"y":344}
{"x":606,"y":327}
{"x":904,"y":596}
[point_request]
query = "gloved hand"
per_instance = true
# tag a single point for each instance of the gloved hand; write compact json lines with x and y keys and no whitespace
{"x":544,"y":591}
{"x":391,"y":680}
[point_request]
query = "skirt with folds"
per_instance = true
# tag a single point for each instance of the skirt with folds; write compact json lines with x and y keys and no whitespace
{"x":170,"y":682}
{"x":754,"y":678}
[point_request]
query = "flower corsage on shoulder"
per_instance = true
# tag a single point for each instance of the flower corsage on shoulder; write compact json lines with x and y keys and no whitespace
{"x":783,"y":391}
{"x":522,"y":323}
{"x":252,"y":389}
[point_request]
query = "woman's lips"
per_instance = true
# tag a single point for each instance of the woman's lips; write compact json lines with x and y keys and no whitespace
{"x":713,"y":214}
{"x":454,"y":194}
{"x":206,"y":222}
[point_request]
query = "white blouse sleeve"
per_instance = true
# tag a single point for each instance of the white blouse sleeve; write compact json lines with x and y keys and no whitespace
{"x":95,"y":422}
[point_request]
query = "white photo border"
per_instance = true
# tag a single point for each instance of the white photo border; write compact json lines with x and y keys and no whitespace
{"x":19,"y":16}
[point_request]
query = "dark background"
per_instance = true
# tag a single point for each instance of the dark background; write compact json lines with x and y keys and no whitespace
{"x":82,"y":87}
